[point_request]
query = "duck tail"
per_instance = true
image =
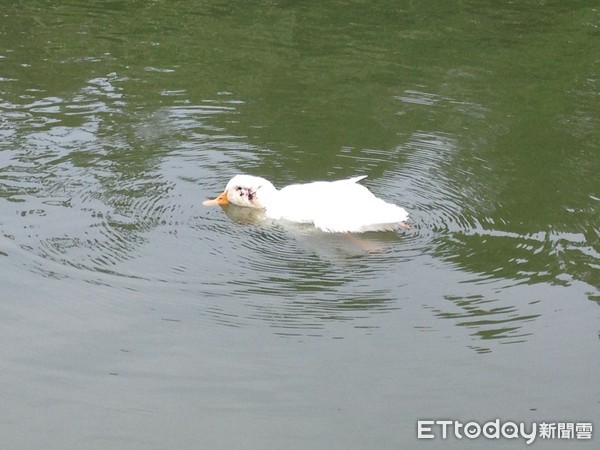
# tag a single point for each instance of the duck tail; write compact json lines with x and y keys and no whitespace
{"x":356,"y":179}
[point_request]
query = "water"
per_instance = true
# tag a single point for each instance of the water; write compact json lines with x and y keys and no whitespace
{"x":133,"y":317}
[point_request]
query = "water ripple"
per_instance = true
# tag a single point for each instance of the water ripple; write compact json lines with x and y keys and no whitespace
{"x":116,"y":202}
{"x":454,"y":216}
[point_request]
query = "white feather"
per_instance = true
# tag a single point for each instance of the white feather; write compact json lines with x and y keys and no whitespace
{"x":335,"y":206}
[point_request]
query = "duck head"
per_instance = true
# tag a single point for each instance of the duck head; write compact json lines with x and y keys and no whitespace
{"x":245,"y":190}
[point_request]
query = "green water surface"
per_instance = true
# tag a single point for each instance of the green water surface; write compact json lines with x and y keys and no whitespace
{"x":133,"y":317}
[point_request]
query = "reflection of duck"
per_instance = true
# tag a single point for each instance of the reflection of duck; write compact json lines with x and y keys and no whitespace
{"x":245,"y":216}
{"x":332,"y":206}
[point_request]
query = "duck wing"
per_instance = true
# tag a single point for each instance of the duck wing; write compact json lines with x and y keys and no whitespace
{"x":338,"y":206}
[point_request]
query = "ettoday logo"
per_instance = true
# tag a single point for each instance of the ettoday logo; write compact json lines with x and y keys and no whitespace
{"x":495,"y":429}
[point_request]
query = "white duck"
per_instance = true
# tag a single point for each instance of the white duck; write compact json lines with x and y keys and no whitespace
{"x":331,"y":206}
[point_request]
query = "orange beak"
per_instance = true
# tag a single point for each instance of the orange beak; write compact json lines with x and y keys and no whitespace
{"x":220,"y":200}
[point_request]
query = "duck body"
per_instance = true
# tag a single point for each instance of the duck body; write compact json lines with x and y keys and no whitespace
{"x":331,"y":206}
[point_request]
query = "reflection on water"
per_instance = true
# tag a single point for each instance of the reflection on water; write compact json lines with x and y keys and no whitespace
{"x":97,"y":195}
{"x":101,"y":190}
{"x":488,"y":320}
{"x":132,"y":316}
{"x":298,"y":279}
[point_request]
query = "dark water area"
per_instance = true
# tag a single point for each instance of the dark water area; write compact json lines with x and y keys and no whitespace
{"x":131,"y":316}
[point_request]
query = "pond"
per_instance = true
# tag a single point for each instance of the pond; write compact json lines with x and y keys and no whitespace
{"x":132,"y":316}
